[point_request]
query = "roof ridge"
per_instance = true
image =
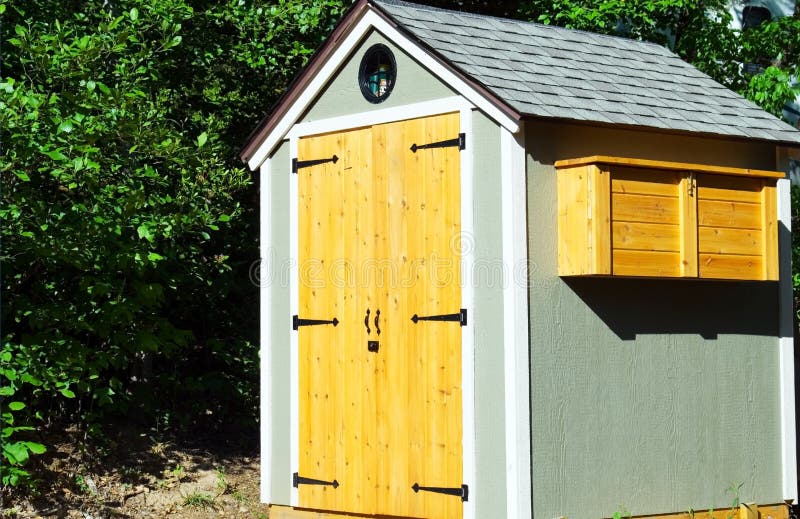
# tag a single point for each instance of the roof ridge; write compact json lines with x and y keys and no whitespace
{"x":404,"y":3}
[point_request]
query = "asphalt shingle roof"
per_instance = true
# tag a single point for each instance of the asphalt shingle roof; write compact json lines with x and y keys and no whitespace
{"x":547,"y":71}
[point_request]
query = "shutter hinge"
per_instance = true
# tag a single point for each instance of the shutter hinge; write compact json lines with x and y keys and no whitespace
{"x":299,"y":164}
{"x":298,"y":480}
{"x":297,"y":322}
{"x":460,"y":317}
{"x":462,"y":491}
{"x":460,"y":141}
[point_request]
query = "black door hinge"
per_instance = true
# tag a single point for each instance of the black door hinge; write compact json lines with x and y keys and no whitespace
{"x":459,"y":141}
{"x":460,"y":317}
{"x":298,"y":480}
{"x":462,"y":491}
{"x":297,"y":322}
{"x":299,"y":164}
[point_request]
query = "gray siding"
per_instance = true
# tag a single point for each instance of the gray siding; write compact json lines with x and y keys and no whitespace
{"x":281,"y":326}
{"x":487,"y":278}
{"x":649,"y":395}
{"x":343,"y":96}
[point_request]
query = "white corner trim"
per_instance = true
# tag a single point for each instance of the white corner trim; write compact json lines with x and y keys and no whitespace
{"x":382,"y":116}
{"x":515,"y":324}
{"x":786,"y":345}
{"x":294,"y":356}
{"x":361,"y":28}
{"x":468,"y":440}
{"x":265,"y":311}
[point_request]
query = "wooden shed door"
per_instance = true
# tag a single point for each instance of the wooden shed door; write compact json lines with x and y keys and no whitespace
{"x":379,"y":232}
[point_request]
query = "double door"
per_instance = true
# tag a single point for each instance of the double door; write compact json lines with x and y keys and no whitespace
{"x":379,"y":323}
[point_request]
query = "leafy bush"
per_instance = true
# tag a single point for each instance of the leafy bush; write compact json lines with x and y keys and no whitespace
{"x":128,"y":222}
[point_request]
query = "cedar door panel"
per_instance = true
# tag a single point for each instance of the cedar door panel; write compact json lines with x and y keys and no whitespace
{"x":419,"y":374}
{"x":336,"y":377}
{"x":379,"y":232}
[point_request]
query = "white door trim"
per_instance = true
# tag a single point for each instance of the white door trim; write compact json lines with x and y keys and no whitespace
{"x":294,"y":354}
{"x":468,"y":302}
{"x":467,"y":295}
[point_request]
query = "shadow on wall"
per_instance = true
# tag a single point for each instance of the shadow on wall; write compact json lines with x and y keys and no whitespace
{"x":668,"y":306}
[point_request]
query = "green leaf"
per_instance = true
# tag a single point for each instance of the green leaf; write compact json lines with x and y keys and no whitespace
{"x":20,"y":30}
{"x":201,"y":139}
{"x":16,"y":406}
{"x":55,"y":155}
{"x":134,"y":14}
{"x":153,"y":256}
{"x":16,"y":453}
{"x":6,"y":391}
{"x":65,"y":126}
{"x":224,"y":218}
{"x":36,"y":448}
{"x":144,"y":232}
{"x":22,"y":176}
{"x":67,"y":393}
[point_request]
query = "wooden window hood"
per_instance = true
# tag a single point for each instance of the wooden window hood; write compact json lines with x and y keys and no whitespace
{"x":633,"y":217}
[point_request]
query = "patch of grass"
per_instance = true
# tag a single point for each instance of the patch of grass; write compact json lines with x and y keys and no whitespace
{"x":198,"y":500}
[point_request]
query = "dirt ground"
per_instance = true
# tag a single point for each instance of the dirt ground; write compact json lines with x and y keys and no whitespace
{"x":140,"y":474}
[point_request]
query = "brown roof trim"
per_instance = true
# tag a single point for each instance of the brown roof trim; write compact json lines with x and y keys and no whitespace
{"x":319,"y":58}
{"x":297,"y":86}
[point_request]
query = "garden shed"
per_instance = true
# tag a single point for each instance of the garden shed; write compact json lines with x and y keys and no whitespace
{"x":513,"y":270}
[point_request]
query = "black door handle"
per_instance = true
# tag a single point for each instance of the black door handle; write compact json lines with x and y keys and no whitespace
{"x":366,"y":321}
{"x":377,"y":321}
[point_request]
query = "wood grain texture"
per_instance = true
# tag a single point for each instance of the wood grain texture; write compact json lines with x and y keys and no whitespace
{"x":718,"y":240}
{"x":644,"y":208}
{"x":573,"y":224}
{"x":646,"y":236}
{"x":599,"y":224}
{"x":640,"y":181}
{"x":738,"y":215}
{"x":646,"y":263}
{"x":688,"y":241}
{"x":769,"y":226}
{"x":376,"y":233}
{"x":732,"y":189}
{"x":728,"y":266}
{"x":667,"y":165}
{"x":320,"y":347}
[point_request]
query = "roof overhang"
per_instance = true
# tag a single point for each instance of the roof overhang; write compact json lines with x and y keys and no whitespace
{"x":362,"y":18}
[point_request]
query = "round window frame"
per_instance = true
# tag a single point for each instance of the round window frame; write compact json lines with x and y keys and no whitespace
{"x":363,"y":80}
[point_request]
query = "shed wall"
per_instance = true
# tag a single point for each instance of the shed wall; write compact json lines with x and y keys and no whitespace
{"x":487,"y":278}
{"x":343,"y":95}
{"x":277,"y":277}
{"x":650,"y":396}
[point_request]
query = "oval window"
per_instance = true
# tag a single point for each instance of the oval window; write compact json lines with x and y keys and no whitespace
{"x":377,"y":73}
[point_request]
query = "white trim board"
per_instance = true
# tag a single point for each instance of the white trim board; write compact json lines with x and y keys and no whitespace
{"x":515,"y":324}
{"x":265,"y":311}
{"x":469,"y":431}
{"x":786,"y":347}
{"x":385,"y":115}
{"x":371,"y":20}
{"x":294,"y":343}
